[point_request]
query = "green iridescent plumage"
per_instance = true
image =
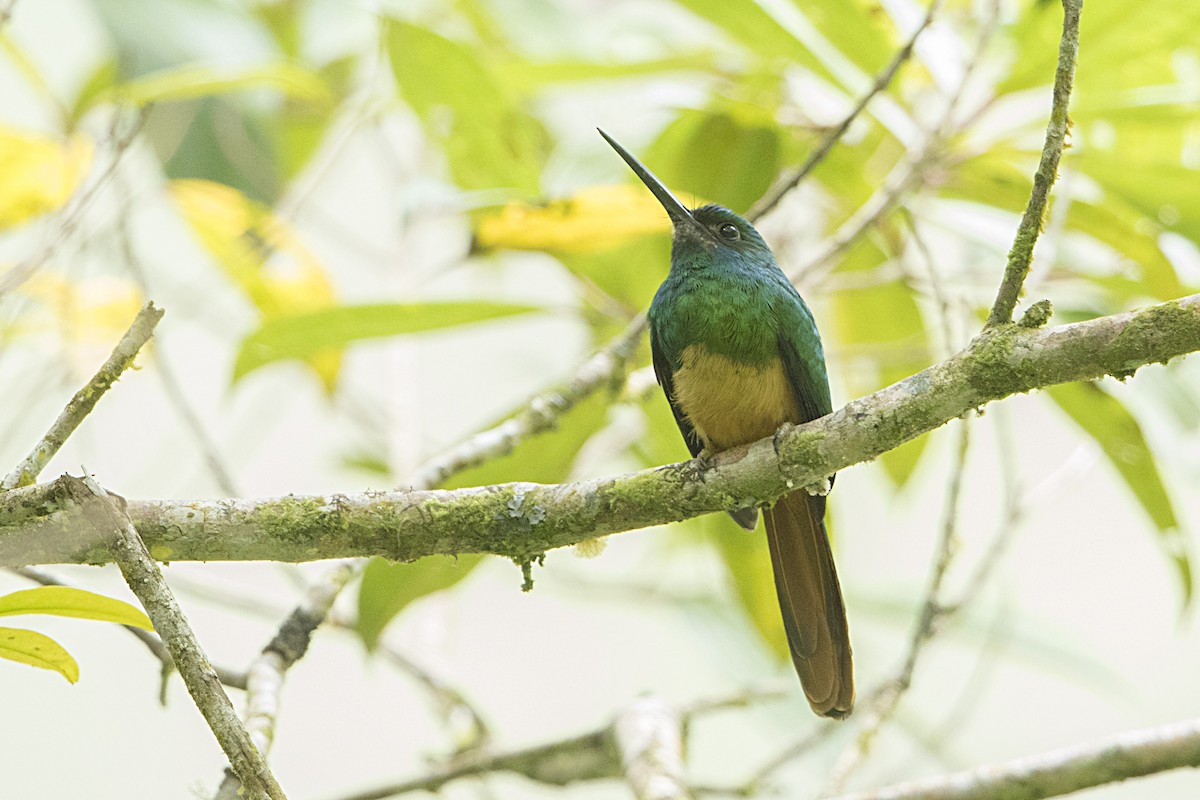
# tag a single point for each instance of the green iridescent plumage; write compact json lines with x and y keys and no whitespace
{"x":738,"y":354}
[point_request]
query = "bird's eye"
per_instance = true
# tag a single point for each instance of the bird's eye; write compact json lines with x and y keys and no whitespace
{"x":729,"y":231}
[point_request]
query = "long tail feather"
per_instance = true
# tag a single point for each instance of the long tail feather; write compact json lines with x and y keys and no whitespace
{"x":810,"y":599}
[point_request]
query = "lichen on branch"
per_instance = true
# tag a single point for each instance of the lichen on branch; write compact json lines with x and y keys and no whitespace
{"x":39,"y":525}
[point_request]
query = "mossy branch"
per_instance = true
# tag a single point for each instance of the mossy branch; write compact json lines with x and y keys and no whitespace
{"x":39,"y":524}
{"x":121,"y":358}
{"x":1020,"y":256}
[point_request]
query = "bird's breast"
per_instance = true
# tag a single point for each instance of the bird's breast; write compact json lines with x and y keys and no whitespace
{"x":731,"y":403}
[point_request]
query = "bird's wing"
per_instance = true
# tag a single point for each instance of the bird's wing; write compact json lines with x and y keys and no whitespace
{"x":664,"y":373}
{"x":810,"y":385}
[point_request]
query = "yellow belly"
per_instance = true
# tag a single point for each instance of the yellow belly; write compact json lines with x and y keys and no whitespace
{"x":729,"y":403}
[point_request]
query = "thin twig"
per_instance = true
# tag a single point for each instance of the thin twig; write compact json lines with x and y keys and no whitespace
{"x":108,"y":517}
{"x":605,"y":369}
{"x":166,"y":372}
{"x":592,"y":756}
{"x":882,"y":81}
{"x":266,"y":674}
{"x":1021,"y":254}
{"x":140,"y":331}
{"x":903,"y":177}
{"x":1132,"y":754}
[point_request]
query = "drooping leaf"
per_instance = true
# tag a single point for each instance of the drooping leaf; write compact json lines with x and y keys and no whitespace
{"x":67,"y":601}
{"x":594,"y":218}
{"x":1142,"y":38}
{"x":300,"y":127}
{"x":1103,"y":417}
{"x":38,"y":173}
{"x":254,"y":247}
{"x":100,"y":80}
{"x":724,"y":156}
{"x":388,"y":588}
{"x":525,"y":74}
{"x":489,"y":140}
{"x":191,"y":81}
{"x":750,"y":25}
{"x":859,"y":29}
{"x":747,"y":561}
{"x":1133,"y":236}
{"x":261,"y":254}
{"x":305,"y":336}
{"x":37,"y":650}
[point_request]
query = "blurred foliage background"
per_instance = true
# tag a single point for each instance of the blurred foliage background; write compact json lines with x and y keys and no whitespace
{"x":379,"y":228}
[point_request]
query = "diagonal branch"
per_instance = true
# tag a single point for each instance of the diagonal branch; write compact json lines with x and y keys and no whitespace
{"x":1021,"y":254}
{"x":882,"y":81}
{"x":266,"y":675}
{"x":522,"y":520}
{"x":1132,"y":754}
{"x":111,"y":522}
{"x":140,"y":331}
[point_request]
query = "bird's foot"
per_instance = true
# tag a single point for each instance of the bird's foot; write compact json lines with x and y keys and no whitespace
{"x":696,"y":469}
{"x":780,"y":432}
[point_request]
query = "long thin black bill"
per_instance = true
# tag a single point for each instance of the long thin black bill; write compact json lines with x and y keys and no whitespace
{"x":675,"y":209}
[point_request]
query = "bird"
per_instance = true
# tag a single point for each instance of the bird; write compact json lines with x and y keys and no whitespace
{"x":737,"y":353}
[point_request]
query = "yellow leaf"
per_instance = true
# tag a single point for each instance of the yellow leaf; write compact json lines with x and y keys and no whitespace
{"x":37,"y":650}
{"x":68,"y":601}
{"x":94,"y":310}
{"x":38,"y":173}
{"x":595,"y":218}
{"x":260,"y":253}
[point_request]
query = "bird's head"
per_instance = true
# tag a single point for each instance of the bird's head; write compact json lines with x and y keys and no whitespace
{"x":710,"y":228}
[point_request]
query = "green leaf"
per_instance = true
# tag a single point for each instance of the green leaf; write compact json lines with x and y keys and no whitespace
{"x":388,"y":588}
{"x":488,"y":139}
{"x":855,"y":28}
{"x":1142,"y":38}
{"x":37,"y":650}
{"x":1160,"y":188}
{"x":747,"y":560}
{"x":747,"y":23}
{"x":1103,"y":417}
{"x":300,"y":127}
{"x":100,"y":80}
{"x":67,"y":601}
{"x":302,"y":335}
{"x":529,"y":75}
{"x":717,"y":156}
{"x":1133,"y":236}
{"x":883,"y":334}
{"x":196,"y":80}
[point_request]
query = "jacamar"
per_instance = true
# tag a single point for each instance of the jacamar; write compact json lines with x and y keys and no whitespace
{"x":737,"y":353}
